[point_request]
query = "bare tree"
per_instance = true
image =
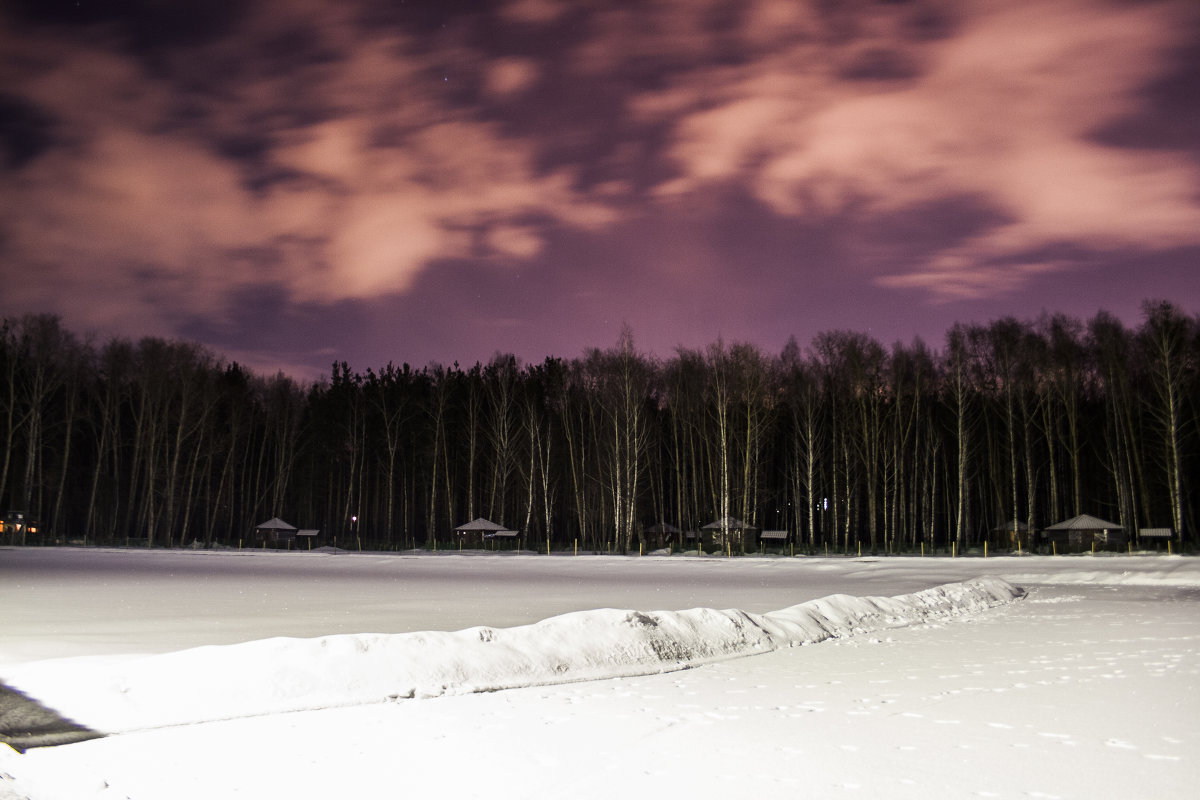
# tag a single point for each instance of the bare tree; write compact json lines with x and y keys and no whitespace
{"x":1166,"y":339}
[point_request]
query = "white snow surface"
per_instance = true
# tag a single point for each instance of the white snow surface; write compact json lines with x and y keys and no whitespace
{"x":1089,"y":687}
{"x":279,"y":675}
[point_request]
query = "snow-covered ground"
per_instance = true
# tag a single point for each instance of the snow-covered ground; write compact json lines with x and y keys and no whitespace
{"x":313,"y":676}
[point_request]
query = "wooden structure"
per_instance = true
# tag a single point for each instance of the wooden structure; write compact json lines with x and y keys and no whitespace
{"x":1156,"y":537}
{"x":656,"y":537}
{"x":277,"y":533}
{"x":1085,"y":532}
{"x":773,"y":539}
{"x":479,"y":531}
{"x":15,"y":524}
{"x":729,"y":534}
{"x":1012,"y":534}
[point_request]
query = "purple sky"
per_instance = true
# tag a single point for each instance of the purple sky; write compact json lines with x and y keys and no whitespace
{"x":297,"y":181}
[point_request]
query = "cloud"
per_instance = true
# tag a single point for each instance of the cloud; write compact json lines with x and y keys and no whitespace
{"x":329,"y":153}
{"x":507,"y":76}
{"x":533,"y":11}
{"x":1003,"y":109}
{"x":365,"y":170}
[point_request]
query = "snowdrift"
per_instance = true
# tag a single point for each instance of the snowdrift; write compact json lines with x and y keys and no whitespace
{"x":272,"y":676}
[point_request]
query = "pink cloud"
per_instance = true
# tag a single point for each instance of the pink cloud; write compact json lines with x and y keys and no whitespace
{"x":534,"y":11}
{"x":142,"y":220}
{"x":508,"y":76}
{"x":1004,"y":111}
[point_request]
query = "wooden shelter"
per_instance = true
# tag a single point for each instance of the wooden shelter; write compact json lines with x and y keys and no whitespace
{"x":478,"y":531}
{"x":1012,"y":534}
{"x":656,"y":537}
{"x":1156,"y":537}
{"x":729,"y":533}
{"x":1085,"y":532}
{"x":774,"y":539}
{"x":280,"y":534}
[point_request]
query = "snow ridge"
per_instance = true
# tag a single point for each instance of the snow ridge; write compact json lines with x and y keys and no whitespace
{"x":279,"y":675}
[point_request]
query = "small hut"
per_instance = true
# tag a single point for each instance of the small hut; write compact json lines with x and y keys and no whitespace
{"x":1085,"y":532}
{"x":774,"y":539}
{"x":1012,"y":534}
{"x":1156,"y":537}
{"x":729,"y":533}
{"x":478,"y":531}
{"x":656,"y":537}
{"x":275,"y":532}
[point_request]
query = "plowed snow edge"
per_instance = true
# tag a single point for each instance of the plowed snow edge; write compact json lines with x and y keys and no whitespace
{"x":281,"y":675}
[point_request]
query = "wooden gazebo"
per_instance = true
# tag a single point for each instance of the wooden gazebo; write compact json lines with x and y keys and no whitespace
{"x":715,"y":534}
{"x":661,"y":535}
{"x":480,"y":530}
{"x":1013,"y":534}
{"x":1084,"y":531}
{"x":277,"y":533}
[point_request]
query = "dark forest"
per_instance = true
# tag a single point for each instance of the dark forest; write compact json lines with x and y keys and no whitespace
{"x":847,"y":443}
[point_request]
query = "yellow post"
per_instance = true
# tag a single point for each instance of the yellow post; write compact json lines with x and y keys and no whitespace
{"x":1018,"y":545}
{"x":860,"y":549}
{"x":1093,"y":547}
{"x":239,"y":544}
{"x":1168,"y":547}
{"x":639,"y":548}
{"x":1054,"y":548}
{"x":576,"y":545}
{"x":954,"y":549}
{"x":985,"y":549}
{"x":547,"y":545}
{"x":922,"y":549}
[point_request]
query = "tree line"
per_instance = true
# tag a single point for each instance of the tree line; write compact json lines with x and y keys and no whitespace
{"x":846,"y":443}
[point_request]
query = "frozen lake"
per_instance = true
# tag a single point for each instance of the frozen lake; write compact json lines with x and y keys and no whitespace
{"x":1086,"y":687}
{"x":67,"y":602}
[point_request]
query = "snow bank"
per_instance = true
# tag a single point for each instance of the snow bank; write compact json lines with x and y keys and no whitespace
{"x":278,"y":675}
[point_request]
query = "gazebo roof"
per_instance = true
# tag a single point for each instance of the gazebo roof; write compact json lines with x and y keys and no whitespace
{"x":729,"y":523}
{"x":1085,"y":522}
{"x":275,"y":524}
{"x":480,"y":524}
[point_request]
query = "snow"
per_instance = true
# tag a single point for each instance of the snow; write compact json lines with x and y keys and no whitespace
{"x":531,"y":676}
